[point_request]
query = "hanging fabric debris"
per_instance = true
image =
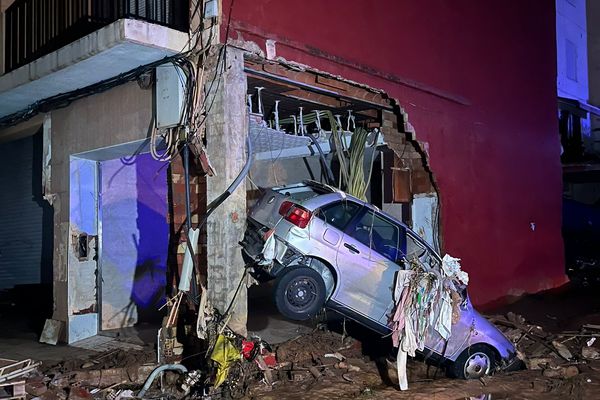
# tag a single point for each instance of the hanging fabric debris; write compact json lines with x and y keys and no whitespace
{"x":402,"y":336}
{"x":451,"y":268}
{"x":269,"y":250}
{"x":424,"y":299}
{"x":205,"y":314}
{"x":451,"y":276}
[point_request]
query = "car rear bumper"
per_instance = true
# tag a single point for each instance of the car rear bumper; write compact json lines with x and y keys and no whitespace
{"x":252,"y":251}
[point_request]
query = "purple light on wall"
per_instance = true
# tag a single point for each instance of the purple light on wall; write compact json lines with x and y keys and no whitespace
{"x":135,"y":235}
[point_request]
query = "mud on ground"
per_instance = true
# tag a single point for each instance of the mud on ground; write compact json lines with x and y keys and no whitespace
{"x":306,"y":373}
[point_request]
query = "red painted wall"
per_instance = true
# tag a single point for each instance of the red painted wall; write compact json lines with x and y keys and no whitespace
{"x":478,"y":80}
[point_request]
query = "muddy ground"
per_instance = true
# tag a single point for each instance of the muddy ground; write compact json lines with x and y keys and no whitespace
{"x":336,"y":362}
{"x":372,"y":377}
{"x":554,"y":315}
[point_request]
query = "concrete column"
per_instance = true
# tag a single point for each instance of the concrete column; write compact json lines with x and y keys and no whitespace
{"x":226,"y":131}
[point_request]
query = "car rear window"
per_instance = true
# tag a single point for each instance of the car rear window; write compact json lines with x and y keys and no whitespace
{"x":338,"y":214}
{"x":298,"y":192}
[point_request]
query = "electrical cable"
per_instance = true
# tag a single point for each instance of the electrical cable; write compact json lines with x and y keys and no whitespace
{"x":328,"y":172}
{"x":64,"y":99}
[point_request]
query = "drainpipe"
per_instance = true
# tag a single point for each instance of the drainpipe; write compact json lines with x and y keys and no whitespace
{"x":188,"y":214}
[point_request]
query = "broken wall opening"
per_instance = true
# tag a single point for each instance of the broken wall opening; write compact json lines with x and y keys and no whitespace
{"x":284,"y":100}
{"x":288,"y":104}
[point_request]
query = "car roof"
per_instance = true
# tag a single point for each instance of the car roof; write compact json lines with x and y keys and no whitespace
{"x":341,"y":195}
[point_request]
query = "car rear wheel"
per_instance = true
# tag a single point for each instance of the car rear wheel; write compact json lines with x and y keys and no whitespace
{"x":300,"y":293}
{"x":474,"y":362}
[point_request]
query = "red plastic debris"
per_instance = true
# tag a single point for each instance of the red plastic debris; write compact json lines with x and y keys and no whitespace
{"x":247,"y":349}
{"x":269,"y":359}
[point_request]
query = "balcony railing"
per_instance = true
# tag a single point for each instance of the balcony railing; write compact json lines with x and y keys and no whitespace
{"x":35,"y":28}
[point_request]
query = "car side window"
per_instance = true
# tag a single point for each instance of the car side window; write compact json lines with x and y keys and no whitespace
{"x":379,"y":234}
{"x":339,"y":214}
{"x":414,"y":249}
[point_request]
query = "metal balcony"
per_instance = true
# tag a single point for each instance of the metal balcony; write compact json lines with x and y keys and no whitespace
{"x":35,"y":28}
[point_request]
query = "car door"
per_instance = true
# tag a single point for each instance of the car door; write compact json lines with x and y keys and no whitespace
{"x":331,"y":221}
{"x":410,"y":248}
{"x":462,"y":330}
{"x":366,"y":263}
{"x":327,"y":228}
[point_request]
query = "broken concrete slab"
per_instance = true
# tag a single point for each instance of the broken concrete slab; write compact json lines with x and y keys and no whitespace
{"x":112,"y":376}
{"x":52,"y":331}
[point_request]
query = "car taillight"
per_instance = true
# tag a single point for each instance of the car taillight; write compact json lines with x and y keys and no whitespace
{"x":297,"y":215}
{"x":285,"y":207}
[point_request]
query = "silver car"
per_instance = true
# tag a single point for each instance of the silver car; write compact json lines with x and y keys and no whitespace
{"x":331,"y":249}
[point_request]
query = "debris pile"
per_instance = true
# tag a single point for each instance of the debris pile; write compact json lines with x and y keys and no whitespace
{"x":12,"y":377}
{"x":112,"y":374}
{"x":557,"y":355}
{"x":320,"y":359}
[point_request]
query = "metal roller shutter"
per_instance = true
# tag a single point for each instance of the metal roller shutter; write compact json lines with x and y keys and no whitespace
{"x":24,"y":246}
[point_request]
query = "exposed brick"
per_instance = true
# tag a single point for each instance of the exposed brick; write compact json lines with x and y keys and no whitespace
{"x":178,"y":210}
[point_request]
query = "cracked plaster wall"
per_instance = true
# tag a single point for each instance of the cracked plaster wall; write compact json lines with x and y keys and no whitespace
{"x":117,"y":116}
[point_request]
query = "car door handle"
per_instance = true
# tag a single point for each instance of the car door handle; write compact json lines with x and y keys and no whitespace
{"x":351,"y":248}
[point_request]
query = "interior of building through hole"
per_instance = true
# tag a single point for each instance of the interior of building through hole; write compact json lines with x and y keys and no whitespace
{"x":283,"y":117}
{"x":280,"y":107}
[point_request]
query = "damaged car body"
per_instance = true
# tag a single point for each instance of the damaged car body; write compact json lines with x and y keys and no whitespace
{"x":326,"y":248}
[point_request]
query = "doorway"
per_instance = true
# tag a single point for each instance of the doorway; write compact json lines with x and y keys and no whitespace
{"x":119,"y":238}
{"x":134,"y":237}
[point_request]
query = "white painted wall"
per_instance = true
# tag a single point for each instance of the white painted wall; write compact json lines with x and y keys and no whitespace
{"x":134,"y":240}
{"x":572,"y":53}
{"x":571,"y":29}
{"x":83,"y":198}
{"x":593,"y":32}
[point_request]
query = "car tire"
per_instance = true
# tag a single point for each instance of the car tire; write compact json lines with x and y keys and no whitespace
{"x":299,"y":294}
{"x":474,"y":363}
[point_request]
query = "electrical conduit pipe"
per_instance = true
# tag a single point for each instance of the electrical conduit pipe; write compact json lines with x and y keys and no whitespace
{"x":158,"y":370}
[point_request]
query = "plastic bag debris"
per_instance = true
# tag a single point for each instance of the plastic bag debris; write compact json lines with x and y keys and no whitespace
{"x":224,"y":354}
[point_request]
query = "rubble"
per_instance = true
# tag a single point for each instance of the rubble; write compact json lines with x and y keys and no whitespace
{"x":324,"y":362}
{"x":590,"y":353}
{"x":36,"y":387}
{"x":564,"y":372}
{"x":556,"y":354}
{"x":12,"y":377}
